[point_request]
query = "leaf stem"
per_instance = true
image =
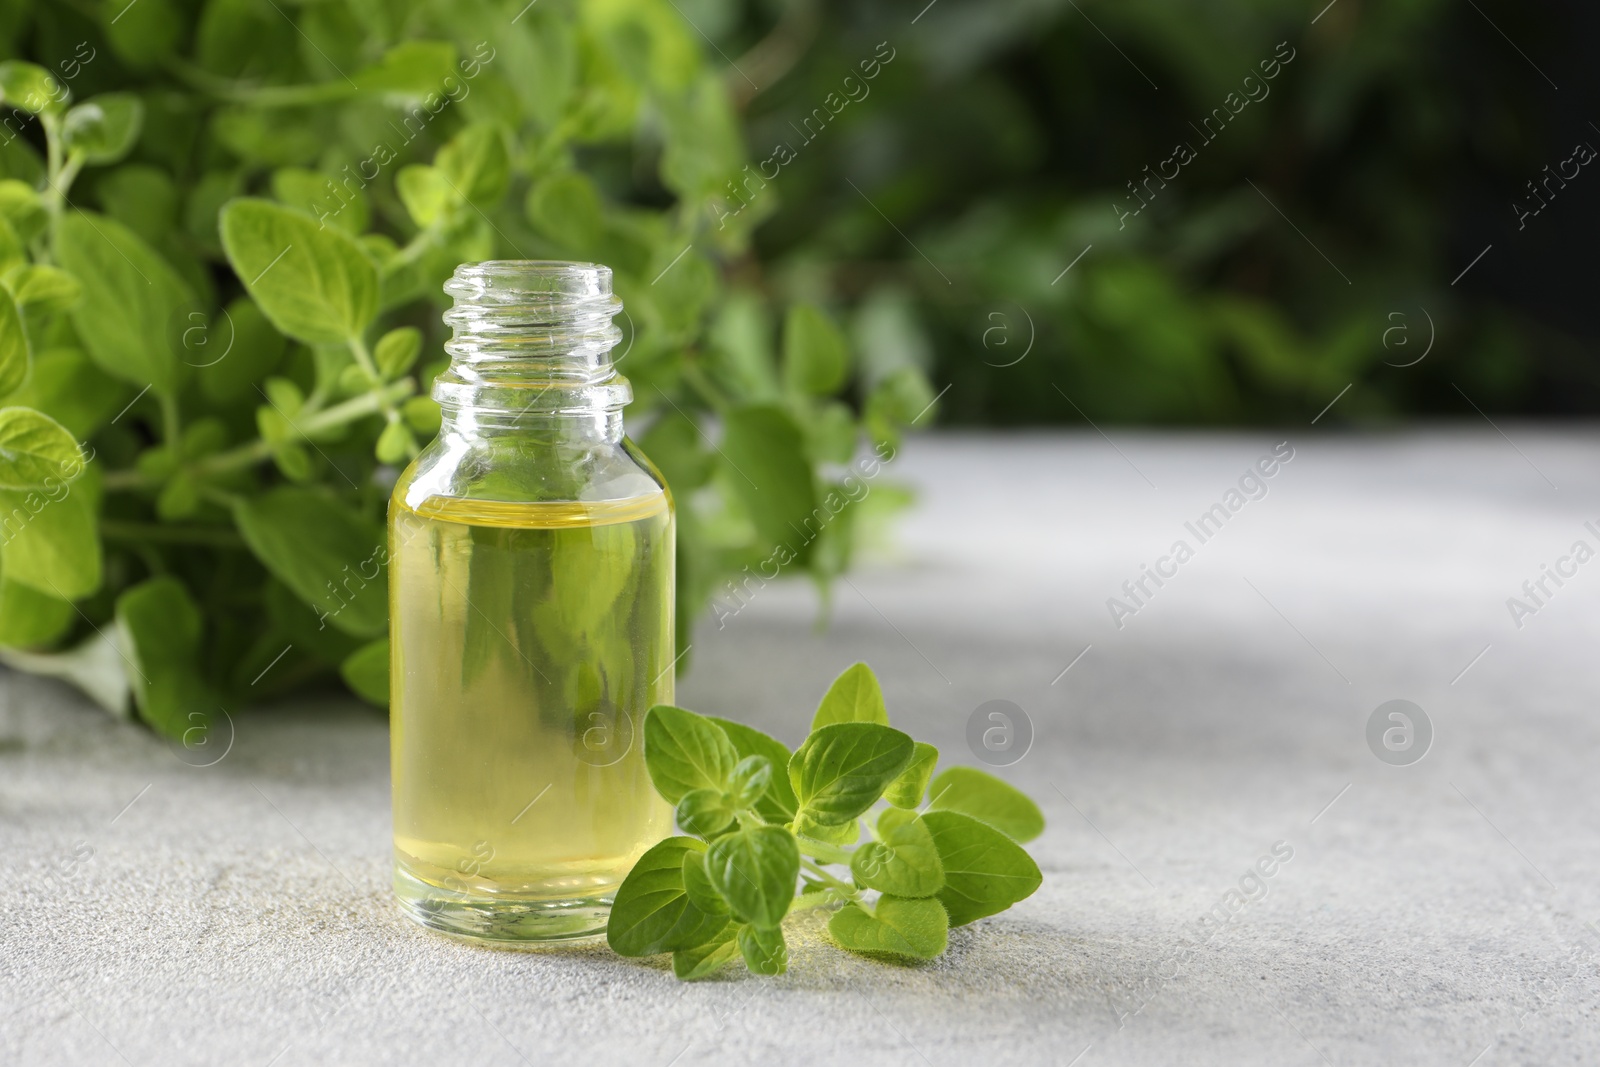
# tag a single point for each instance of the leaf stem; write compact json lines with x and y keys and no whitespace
{"x":806,"y":901}
{"x":358,"y":407}
{"x":55,"y":198}
{"x":68,"y":174}
{"x":822,"y":850}
{"x":265,"y":96}
{"x":845,"y":889}
{"x":358,"y":348}
{"x":704,"y":386}
{"x":171,"y":425}
{"x":415,"y":247}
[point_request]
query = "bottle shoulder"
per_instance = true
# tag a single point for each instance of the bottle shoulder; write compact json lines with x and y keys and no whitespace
{"x":509,"y":470}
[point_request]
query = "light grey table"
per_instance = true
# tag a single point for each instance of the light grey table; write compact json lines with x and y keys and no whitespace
{"x":1440,"y":912}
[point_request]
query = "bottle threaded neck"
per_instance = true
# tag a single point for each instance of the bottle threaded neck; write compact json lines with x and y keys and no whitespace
{"x":532,"y":337}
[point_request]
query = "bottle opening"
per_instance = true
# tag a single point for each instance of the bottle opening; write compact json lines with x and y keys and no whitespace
{"x":532,"y":336}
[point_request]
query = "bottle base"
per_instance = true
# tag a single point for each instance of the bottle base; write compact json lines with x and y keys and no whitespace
{"x":505,"y":922}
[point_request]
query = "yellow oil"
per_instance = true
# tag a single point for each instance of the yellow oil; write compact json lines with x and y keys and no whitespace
{"x":529,"y":640}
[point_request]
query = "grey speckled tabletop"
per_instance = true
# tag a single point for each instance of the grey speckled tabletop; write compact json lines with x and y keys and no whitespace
{"x":1437,"y":912}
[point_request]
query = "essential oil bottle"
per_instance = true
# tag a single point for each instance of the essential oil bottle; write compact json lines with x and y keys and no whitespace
{"x":531,"y":618}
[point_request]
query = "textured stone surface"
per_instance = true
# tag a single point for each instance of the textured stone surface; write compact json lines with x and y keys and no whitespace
{"x":1430,"y":914}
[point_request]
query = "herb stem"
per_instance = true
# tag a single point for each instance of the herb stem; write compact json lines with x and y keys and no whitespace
{"x":245,"y":455}
{"x":171,"y":425}
{"x":843,"y":888}
{"x":358,"y":348}
{"x":414,"y":247}
{"x":806,"y":901}
{"x":68,"y":174}
{"x":264,"y":96}
{"x":822,"y":850}
{"x":703,"y":385}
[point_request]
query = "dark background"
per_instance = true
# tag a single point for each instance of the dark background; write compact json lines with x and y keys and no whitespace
{"x":1002,"y":132}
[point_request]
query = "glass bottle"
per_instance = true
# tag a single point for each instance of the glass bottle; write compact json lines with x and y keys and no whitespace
{"x":531,"y":618}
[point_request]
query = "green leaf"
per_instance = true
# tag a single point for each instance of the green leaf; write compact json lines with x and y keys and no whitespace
{"x":30,"y":618}
{"x":36,"y":451}
{"x":103,"y":128}
{"x":294,"y":461}
{"x":854,"y":696}
{"x":366,"y":672}
{"x":233,"y":352}
{"x":161,"y":627}
{"x":290,"y":616}
{"x":754,"y":870}
{"x":984,"y":870}
{"x":23,"y":208}
{"x":652,"y":913}
{"x":987,"y":799}
{"x":565,"y":207}
{"x":321,"y":196}
{"x":131,"y":300}
{"x":685,"y":751}
{"x":331,"y":557}
{"x":71,"y":389}
{"x":764,"y":950}
{"x":915,"y":928}
{"x":179,"y":499}
{"x":143,"y":198}
{"x":691,"y":963}
{"x":13,"y":254}
{"x":778,"y":803}
{"x":13,"y":347}
{"x":697,"y":884}
{"x":142,"y":33}
{"x":30,"y":88}
{"x":904,"y":862}
{"x":422,"y":414}
{"x":267,"y":138}
{"x":831,"y":434}
{"x":396,"y":351}
{"x":424,"y":192}
{"x":841,"y":769}
{"x":900,"y":398}
{"x":41,"y":287}
{"x":314,"y":283}
{"x":675,"y":445}
{"x":749,"y":781}
{"x":770,"y":474}
{"x":845,"y":833}
{"x":704,"y":812}
{"x":475,"y":163}
{"x":908,"y":790}
{"x":284,"y":395}
{"x":395,"y":443}
{"x":740,"y":354}
{"x":414,"y":68}
{"x":814,"y":354}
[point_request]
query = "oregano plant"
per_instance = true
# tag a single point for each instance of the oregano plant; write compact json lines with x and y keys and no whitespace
{"x":223,"y":235}
{"x":855,"y":821}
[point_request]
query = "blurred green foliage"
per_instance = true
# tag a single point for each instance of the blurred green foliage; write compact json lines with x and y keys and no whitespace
{"x":1001,"y":142}
{"x":198,"y":431}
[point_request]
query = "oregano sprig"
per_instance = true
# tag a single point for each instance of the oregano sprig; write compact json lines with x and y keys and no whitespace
{"x":771,"y":833}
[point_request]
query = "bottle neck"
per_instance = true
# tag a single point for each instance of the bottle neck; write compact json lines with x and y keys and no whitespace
{"x":557,"y":428}
{"x":530,"y":352}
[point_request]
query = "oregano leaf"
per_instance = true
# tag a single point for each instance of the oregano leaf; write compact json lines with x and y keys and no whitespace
{"x":684,"y":751}
{"x":854,"y":696}
{"x":843,"y":768}
{"x":315,"y":283}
